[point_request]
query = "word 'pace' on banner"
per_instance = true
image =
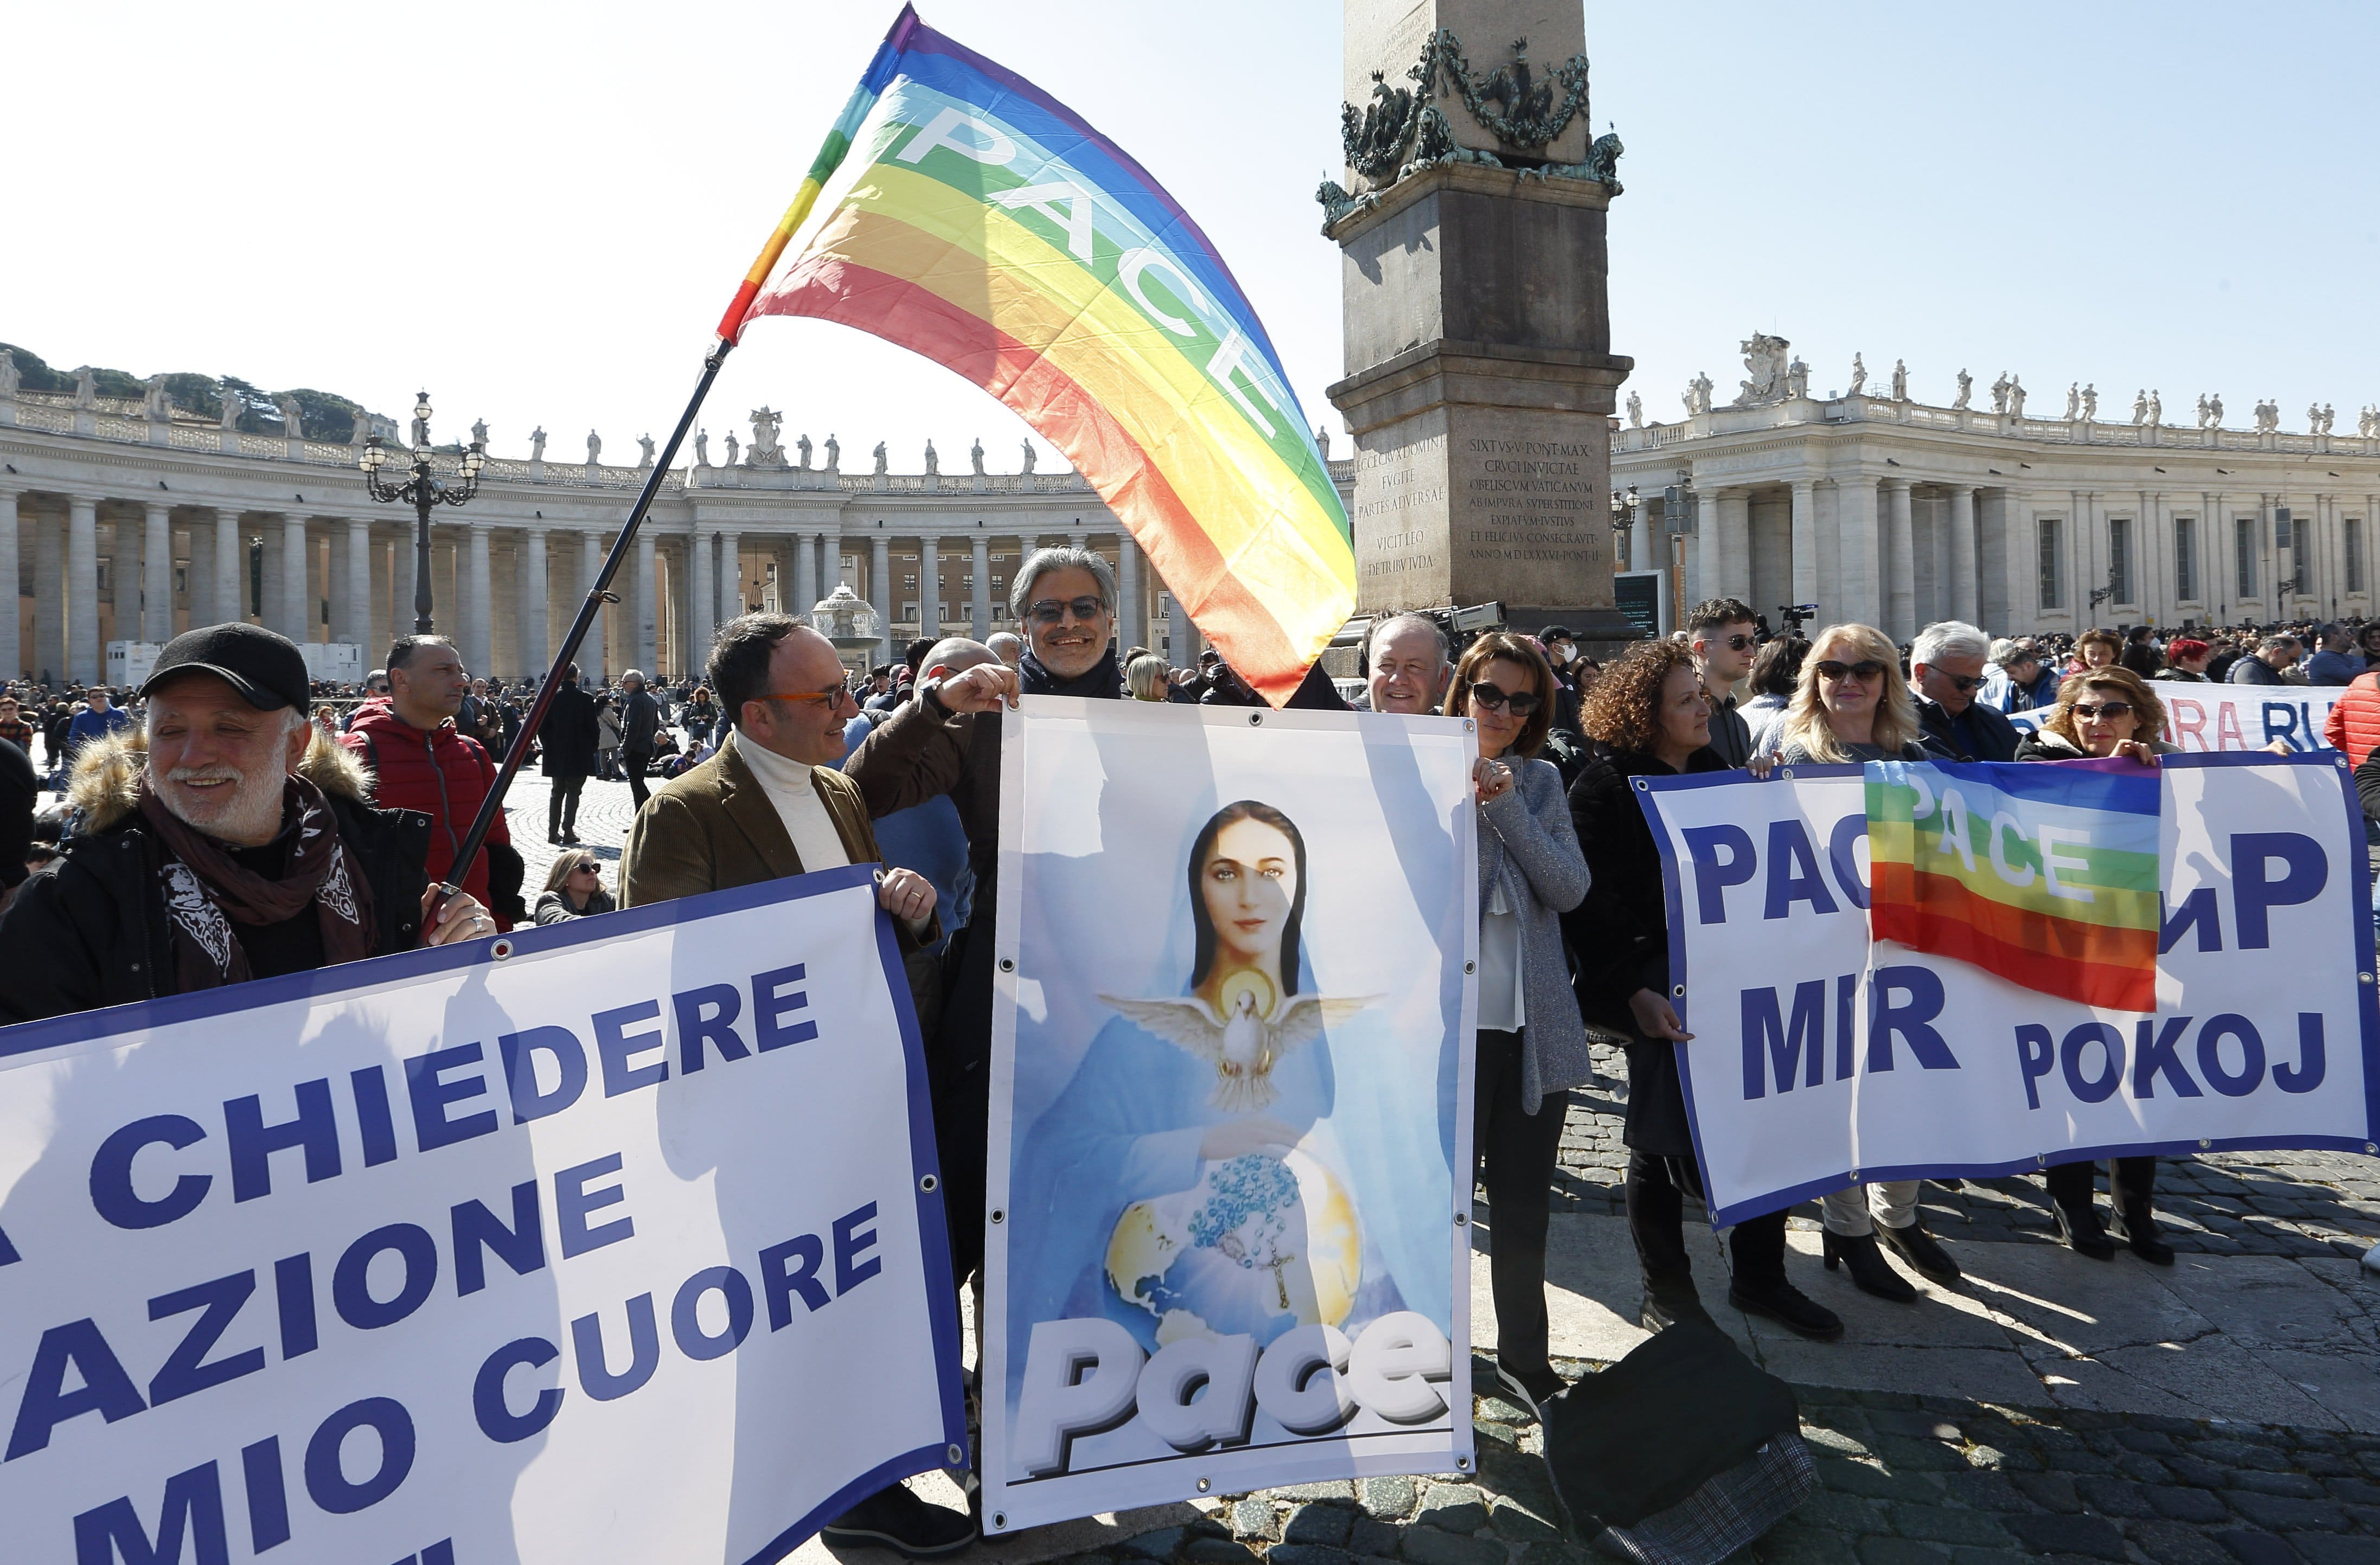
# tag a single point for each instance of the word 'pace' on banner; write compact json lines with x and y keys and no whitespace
{"x":1230,"y":1190}
{"x":618,"y":1240}
{"x":1821,"y":1056}
{"x":2213,"y":718}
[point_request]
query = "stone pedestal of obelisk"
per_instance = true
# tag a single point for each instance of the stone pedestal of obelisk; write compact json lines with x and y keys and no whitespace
{"x":1479,"y":376}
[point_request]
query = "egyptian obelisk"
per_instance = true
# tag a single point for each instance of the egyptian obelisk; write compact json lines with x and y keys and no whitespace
{"x":1479,"y":376}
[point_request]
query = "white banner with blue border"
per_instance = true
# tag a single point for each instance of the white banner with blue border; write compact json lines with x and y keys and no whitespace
{"x":614,"y":1240}
{"x":1821,"y":1057}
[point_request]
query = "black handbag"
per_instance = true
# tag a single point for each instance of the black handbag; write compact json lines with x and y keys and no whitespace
{"x":1679,"y":1454}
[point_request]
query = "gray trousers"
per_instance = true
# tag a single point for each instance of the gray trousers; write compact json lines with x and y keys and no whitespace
{"x":1895,"y":1204}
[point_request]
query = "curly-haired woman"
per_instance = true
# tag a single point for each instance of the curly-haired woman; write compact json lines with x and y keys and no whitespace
{"x":1649,"y":716}
{"x":1531,"y":1046}
{"x":1853,"y":705}
{"x":2106,"y":712}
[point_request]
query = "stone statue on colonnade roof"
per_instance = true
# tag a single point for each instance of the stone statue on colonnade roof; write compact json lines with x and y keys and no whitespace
{"x":1028,"y":459}
{"x":155,"y":403}
{"x":834,"y":454}
{"x":703,"y":448}
{"x":802,"y":450}
{"x":86,"y":393}
{"x":293,"y":419}
{"x":10,"y":376}
{"x":879,"y":459}
{"x":1966,"y":390}
{"x":2090,"y":401}
{"x":1859,"y":375}
{"x":975,"y":455}
{"x":1764,"y":362}
{"x":766,"y":452}
{"x":537,"y":444}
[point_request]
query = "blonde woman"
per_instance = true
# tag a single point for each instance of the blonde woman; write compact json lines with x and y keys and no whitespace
{"x":574,"y":889}
{"x":1149,"y":679}
{"x":1850,"y":704}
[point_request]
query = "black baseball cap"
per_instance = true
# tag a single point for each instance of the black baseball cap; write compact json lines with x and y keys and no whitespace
{"x":265,"y":668}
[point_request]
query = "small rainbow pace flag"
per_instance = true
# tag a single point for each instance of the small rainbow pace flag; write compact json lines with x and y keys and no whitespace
{"x":2046,"y":875}
{"x":986,"y":226}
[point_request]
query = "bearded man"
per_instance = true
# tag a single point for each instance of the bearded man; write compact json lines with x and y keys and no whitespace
{"x":227,"y":839}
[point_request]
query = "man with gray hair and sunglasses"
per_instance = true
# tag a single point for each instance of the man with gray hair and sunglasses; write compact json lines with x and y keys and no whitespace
{"x":1946,"y":671}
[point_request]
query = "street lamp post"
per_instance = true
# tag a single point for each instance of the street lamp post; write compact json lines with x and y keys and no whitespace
{"x":425,"y":492}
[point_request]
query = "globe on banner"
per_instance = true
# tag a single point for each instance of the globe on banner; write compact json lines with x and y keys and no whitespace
{"x":1258,"y":1246}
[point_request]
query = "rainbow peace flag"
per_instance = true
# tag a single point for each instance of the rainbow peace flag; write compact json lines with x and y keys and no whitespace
{"x":988,"y":228}
{"x":2044,"y":874}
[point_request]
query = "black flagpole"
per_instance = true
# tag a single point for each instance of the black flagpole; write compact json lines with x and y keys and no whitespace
{"x":597,"y":596}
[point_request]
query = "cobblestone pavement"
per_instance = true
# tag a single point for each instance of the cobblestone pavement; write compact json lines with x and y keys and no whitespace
{"x":2266,"y":1313}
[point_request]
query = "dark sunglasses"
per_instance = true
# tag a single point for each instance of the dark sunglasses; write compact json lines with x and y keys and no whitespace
{"x":1049,"y":611}
{"x":1737,"y":643}
{"x":1962,"y":684}
{"x":1495,"y":697}
{"x":2086,"y":710}
{"x":1867,"y":671}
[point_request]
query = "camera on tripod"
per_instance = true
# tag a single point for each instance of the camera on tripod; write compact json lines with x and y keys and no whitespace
{"x":1797,"y":615}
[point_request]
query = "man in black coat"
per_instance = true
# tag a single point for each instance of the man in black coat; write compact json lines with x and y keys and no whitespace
{"x":1946,"y":669}
{"x":204,"y":860}
{"x":640,"y":728}
{"x":568,"y":735}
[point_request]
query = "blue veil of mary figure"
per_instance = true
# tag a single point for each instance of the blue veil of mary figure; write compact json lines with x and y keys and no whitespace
{"x":1189,"y":1178}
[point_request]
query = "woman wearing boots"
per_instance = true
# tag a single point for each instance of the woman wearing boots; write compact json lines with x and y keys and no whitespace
{"x":2104,"y":713}
{"x":1649,"y":716}
{"x":1852,"y":706}
{"x":1531,"y":1046}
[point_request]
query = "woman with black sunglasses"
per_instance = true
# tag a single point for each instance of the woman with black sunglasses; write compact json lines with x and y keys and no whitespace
{"x":1531,"y":1045}
{"x":1851,"y":706}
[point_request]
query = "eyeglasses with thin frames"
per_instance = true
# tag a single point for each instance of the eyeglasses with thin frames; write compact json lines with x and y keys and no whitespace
{"x":830,"y":699}
{"x":1050,"y":610}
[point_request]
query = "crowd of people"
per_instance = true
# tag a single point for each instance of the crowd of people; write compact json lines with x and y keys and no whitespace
{"x":234,"y":820}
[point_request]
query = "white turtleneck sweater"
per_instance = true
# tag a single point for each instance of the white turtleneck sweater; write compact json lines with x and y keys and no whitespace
{"x":791,"y":788}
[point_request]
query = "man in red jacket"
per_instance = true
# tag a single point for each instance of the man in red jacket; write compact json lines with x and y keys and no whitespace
{"x":410,"y":740}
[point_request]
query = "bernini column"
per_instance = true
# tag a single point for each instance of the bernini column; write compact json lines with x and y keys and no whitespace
{"x":731,"y":583}
{"x":703,"y":614}
{"x":1805,"y":542}
{"x":358,"y":620}
{"x":12,"y":656}
{"x":1901,"y":604}
{"x":806,"y":592}
{"x":929,"y":587}
{"x":536,"y":604}
{"x":49,"y":595}
{"x":979,"y":600}
{"x":647,"y":602}
{"x":879,"y":582}
{"x":1966,"y":594}
{"x":230,"y":590}
{"x":479,"y":633}
{"x":82,"y":590}
{"x":157,"y":574}
{"x":296,"y":623}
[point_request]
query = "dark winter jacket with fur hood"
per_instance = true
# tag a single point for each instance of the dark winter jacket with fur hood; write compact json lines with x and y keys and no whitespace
{"x":89,"y":929}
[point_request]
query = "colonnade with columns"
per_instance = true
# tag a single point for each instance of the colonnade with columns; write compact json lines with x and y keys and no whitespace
{"x":103,"y":568}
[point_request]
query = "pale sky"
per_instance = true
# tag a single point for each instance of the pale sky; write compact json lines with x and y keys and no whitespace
{"x":539,"y":212}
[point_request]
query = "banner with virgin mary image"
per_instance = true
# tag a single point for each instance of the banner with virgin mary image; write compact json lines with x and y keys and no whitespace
{"x":1231,"y":1105}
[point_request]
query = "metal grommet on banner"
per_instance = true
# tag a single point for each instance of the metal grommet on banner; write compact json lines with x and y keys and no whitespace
{"x":1203,"y":1486}
{"x":957,"y":1456}
{"x":1786,"y":773}
{"x":1008,"y":965}
{"x":1466,"y":725}
{"x":2203,"y":1144}
{"x":501,"y":950}
{"x":2372,"y":1147}
{"x":1463,"y":1219}
{"x":1642,"y":786}
{"x":1677,"y":992}
{"x":2363,"y":977}
{"x":1471,"y":966}
{"x":998,"y":1216}
{"x":999,"y":1519}
{"x":930,"y":1184}
{"x":1255,"y":718}
{"x":1464,"y":1462}
{"x":1856,"y":1173}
